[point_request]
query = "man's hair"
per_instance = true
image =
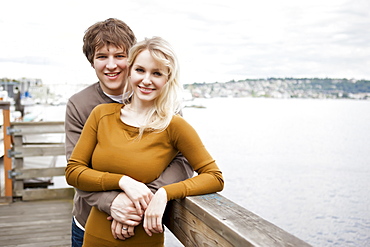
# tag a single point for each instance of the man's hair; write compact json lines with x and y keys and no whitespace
{"x":104,"y":33}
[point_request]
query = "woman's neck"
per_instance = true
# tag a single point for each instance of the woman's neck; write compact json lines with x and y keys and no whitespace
{"x":140,"y":107}
{"x":135,"y":113}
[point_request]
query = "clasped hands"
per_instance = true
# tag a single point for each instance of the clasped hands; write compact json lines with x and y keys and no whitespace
{"x":137,"y":203}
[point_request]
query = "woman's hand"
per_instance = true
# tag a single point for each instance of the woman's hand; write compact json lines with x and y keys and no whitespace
{"x":124,"y":211}
{"x":138,"y":192}
{"x":154,"y":213}
{"x":121,"y":231}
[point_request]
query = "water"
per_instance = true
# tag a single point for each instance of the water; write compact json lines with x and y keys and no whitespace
{"x":301,"y":164}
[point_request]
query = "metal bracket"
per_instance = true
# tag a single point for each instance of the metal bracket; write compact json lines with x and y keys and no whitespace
{"x":12,"y":153}
{"x":12,"y":174}
{"x":10,"y":130}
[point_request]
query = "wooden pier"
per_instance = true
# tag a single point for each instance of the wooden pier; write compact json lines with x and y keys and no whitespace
{"x":36,"y":223}
{"x":42,"y":216}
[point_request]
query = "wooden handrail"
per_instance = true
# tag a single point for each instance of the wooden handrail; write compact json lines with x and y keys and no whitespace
{"x":213,"y":220}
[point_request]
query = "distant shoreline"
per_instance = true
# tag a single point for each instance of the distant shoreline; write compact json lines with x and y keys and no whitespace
{"x":314,"y":88}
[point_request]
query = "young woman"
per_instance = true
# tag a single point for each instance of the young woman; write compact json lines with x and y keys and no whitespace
{"x":130,"y":145}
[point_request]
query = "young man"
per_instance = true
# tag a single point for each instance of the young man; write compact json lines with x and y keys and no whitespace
{"x":106,"y":46}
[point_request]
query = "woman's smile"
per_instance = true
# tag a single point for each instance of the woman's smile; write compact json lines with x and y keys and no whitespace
{"x":146,"y":90}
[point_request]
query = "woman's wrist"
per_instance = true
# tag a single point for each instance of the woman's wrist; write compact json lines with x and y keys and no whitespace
{"x":162,"y":192}
{"x":122,"y":181}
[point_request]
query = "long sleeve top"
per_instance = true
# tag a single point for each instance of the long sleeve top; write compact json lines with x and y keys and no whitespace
{"x":79,"y":107}
{"x":113,"y":150}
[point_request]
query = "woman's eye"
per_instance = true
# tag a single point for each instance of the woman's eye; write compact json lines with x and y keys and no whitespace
{"x":158,"y":73}
{"x":139,"y":70}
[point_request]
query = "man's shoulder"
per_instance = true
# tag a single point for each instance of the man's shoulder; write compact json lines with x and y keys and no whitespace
{"x":86,"y":92}
{"x":89,"y":97}
{"x":82,"y":103}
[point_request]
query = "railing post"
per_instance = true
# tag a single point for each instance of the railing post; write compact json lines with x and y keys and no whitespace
{"x":5,"y":106}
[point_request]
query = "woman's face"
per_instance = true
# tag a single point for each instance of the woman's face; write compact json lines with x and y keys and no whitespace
{"x":147,"y":77}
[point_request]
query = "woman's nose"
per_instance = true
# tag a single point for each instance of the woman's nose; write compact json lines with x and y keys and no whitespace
{"x":146,"y":80}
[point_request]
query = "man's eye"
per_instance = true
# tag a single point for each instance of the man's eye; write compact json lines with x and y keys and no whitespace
{"x":101,"y":57}
{"x":121,"y":56}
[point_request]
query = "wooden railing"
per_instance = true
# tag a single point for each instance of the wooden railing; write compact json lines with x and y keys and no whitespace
{"x":36,"y":140}
{"x":213,"y":220}
{"x":25,"y":141}
{"x":208,"y":220}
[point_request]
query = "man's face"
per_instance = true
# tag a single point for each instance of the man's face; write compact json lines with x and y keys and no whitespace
{"x":110,"y":64}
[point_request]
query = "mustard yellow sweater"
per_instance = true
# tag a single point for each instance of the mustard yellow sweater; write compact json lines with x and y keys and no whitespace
{"x":112,"y":149}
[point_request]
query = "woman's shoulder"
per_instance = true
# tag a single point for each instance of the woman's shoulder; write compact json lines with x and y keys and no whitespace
{"x":178,"y":121}
{"x":179,"y":127}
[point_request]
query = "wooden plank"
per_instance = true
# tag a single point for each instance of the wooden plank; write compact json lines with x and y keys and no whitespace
{"x":47,"y":194}
{"x":230,"y":221}
{"x":40,"y":150}
{"x":34,"y":128}
{"x":39,"y":172}
{"x":191,"y":231}
{"x":36,"y":223}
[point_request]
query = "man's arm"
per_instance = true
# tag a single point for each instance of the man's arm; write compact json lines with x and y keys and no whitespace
{"x":101,"y":200}
{"x":74,"y":122}
{"x":178,"y":170}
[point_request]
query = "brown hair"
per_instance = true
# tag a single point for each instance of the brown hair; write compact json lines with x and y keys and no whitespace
{"x":104,"y":33}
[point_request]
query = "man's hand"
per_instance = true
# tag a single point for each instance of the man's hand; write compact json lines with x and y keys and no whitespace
{"x":121,"y":231}
{"x":124,"y":211}
{"x":138,"y":192}
{"x":154,"y":213}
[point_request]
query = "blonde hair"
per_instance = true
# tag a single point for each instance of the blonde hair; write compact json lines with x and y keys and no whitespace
{"x":169,"y":102}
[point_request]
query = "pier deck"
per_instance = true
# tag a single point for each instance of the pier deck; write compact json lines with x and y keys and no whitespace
{"x":43,"y":223}
{"x":36,"y":223}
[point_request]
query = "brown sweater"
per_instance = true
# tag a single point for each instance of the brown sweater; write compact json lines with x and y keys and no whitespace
{"x":110,"y":146}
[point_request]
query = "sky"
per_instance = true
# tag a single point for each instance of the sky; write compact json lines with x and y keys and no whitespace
{"x":216,"y":41}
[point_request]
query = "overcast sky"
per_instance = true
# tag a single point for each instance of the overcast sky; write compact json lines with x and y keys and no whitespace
{"x":215,"y":40}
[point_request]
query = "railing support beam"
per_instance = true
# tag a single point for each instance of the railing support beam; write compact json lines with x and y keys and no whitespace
{"x":5,"y":107}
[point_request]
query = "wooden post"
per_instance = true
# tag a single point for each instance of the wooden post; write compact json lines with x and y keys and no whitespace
{"x":5,"y":106}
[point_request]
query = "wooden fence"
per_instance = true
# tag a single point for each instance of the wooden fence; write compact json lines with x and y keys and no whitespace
{"x":208,"y":220}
